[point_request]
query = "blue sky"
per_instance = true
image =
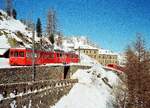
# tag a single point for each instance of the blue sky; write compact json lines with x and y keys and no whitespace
{"x":112,"y":24}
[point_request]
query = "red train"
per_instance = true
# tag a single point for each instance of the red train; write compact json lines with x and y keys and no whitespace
{"x":23,"y":57}
{"x":116,"y":67}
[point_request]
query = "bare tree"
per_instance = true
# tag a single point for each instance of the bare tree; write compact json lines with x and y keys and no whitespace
{"x":51,"y":22}
{"x":138,"y":74}
{"x":9,"y":7}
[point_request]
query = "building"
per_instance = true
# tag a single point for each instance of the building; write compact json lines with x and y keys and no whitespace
{"x":107,"y":57}
{"x":122,"y":59}
{"x":104,"y":57}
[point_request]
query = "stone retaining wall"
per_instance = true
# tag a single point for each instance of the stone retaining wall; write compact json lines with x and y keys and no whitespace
{"x":18,"y":89}
{"x":39,"y":94}
{"x":24,"y":74}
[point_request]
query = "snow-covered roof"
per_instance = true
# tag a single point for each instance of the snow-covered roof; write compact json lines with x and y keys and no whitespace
{"x":85,"y":47}
{"x":104,"y":51}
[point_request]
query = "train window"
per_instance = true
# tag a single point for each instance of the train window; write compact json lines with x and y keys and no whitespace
{"x":35,"y":55}
{"x":12,"y":53}
{"x":57,"y":54}
{"x":75,"y":56}
{"x":29,"y":54}
{"x":16,"y":54}
{"x":72,"y":56}
{"x":39,"y":55}
{"x":60,"y":54}
{"x":21,"y":54}
{"x":52,"y":55}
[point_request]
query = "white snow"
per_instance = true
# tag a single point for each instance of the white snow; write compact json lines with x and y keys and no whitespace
{"x":4,"y":62}
{"x":13,"y":25}
{"x":4,"y":42}
{"x":86,"y":60}
{"x":13,"y":104}
{"x":76,"y":42}
{"x":1,"y":97}
{"x":90,"y":91}
{"x":12,"y":95}
{"x":105,"y":51}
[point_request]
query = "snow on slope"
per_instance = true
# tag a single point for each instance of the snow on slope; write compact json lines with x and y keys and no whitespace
{"x":12,"y":28}
{"x":91,"y":91}
{"x":12,"y":25}
{"x":4,"y":42}
{"x":4,"y":63}
{"x":76,"y":42}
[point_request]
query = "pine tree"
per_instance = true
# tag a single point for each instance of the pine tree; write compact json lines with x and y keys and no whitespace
{"x":14,"y":14}
{"x":39,"y":28}
{"x":51,"y":38}
{"x":138,"y":74}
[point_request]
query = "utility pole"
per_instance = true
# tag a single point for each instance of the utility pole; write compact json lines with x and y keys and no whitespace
{"x":79,"y":52}
{"x":33,"y":53}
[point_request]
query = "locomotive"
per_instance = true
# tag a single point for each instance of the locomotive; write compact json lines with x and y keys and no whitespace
{"x":23,"y":57}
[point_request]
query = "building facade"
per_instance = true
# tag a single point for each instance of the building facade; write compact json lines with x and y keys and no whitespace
{"x":104,"y":57}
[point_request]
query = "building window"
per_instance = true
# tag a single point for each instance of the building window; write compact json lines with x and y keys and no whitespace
{"x":103,"y":56}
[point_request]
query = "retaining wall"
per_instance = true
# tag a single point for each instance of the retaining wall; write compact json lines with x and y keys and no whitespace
{"x":24,"y":74}
{"x":38,"y":94}
{"x":17,"y":90}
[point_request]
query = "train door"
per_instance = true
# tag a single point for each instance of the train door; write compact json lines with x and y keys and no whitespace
{"x":28,"y":57}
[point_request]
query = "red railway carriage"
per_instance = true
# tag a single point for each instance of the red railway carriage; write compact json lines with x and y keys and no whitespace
{"x":115,"y":66}
{"x":23,"y":57}
{"x":71,"y":58}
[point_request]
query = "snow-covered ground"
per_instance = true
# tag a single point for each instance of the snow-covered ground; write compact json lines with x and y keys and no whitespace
{"x":4,"y":63}
{"x":91,"y":91}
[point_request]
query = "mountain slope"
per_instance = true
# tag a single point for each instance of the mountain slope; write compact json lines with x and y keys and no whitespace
{"x":16,"y":34}
{"x":95,"y":89}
